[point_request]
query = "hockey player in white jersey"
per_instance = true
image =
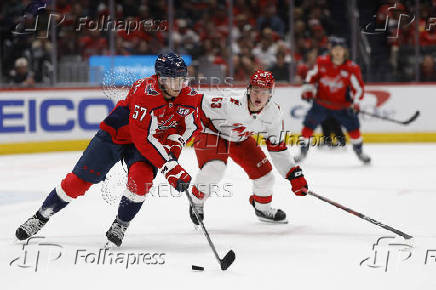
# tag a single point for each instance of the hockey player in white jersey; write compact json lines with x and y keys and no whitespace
{"x":228,"y":125}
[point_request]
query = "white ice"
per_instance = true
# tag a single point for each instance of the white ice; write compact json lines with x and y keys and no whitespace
{"x":321,"y":247}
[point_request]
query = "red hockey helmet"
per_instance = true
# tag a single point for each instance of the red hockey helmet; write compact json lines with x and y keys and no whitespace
{"x":262,"y":79}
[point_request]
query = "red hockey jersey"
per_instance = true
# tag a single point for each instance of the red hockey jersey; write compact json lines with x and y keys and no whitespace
{"x":147,"y":119}
{"x":337,"y":85}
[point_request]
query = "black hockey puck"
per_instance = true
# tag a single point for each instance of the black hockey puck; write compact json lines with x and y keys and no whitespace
{"x":197,"y":268}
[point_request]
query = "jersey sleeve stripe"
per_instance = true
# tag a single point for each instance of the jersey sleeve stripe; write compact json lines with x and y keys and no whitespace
{"x":153,"y":141}
{"x":357,"y":87}
{"x":191,"y":127}
{"x":312,"y":73}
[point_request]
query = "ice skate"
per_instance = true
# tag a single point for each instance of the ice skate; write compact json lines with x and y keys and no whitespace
{"x":269,"y":214}
{"x":362,"y":156}
{"x":115,"y":234}
{"x":31,"y":226}
{"x":272,"y":215}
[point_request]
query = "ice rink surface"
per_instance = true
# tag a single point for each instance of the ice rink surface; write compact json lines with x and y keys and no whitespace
{"x":321,"y":247}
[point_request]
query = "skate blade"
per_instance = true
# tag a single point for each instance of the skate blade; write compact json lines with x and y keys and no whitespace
{"x":268,"y":221}
{"x":109,"y":245}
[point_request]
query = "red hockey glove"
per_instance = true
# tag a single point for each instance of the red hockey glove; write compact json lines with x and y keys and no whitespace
{"x":355,"y":107}
{"x":176,"y":175}
{"x":174,"y":144}
{"x":298,"y":182}
{"x":307,"y":93}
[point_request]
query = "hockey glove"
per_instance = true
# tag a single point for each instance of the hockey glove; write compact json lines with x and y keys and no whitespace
{"x":176,"y":175}
{"x":298,"y":182}
{"x":307,"y":93}
{"x":355,"y":107}
{"x":174,"y":144}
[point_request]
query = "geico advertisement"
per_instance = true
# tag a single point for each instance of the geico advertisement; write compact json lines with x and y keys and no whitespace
{"x":75,"y":114}
{"x":51,"y":115}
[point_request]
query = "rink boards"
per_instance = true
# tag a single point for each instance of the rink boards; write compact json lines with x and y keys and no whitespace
{"x":65,"y":119}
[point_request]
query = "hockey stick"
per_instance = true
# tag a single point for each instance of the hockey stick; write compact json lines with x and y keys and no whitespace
{"x":407,"y":122}
{"x":360,"y":215}
{"x":229,"y":257}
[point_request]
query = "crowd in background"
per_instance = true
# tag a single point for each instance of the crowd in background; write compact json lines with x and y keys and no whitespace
{"x":260,"y":37}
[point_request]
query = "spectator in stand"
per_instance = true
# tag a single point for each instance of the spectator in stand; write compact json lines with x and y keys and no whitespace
{"x":244,"y":64}
{"x":265,"y":52}
{"x":428,"y":71}
{"x":320,"y":40}
{"x":41,"y":55}
{"x":92,"y":43}
{"x":220,"y":19}
{"x":280,"y":69}
{"x":304,"y":67}
{"x":269,"y":19}
{"x":186,"y":40}
{"x":21,"y":76}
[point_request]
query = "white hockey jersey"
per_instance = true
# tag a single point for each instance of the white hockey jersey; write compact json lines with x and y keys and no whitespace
{"x":230,"y":118}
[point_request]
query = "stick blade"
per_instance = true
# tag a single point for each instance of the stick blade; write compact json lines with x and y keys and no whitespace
{"x":413,"y":118}
{"x":227,"y":260}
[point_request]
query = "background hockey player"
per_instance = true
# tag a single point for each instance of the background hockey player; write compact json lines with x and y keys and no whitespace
{"x":228,"y":126}
{"x":147,"y":131}
{"x":332,"y":133}
{"x":336,"y":87}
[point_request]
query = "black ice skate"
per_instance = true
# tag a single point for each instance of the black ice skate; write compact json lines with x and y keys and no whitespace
{"x":200,"y":211}
{"x":362,"y":156}
{"x":116,"y":232}
{"x":31,"y":226}
{"x":303,"y":154}
{"x":269,"y":215}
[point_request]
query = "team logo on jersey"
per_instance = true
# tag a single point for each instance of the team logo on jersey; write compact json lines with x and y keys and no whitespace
{"x":183,"y":111}
{"x":333,"y":83}
{"x":192,"y":92}
{"x":164,"y":126}
{"x":240,"y":130}
{"x":150,"y":90}
{"x":167,"y":124}
{"x":235,"y":101}
{"x":344,"y":73}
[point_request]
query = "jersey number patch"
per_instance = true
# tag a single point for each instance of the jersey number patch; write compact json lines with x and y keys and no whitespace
{"x":139,"y":109}
{"x":216,"y":102}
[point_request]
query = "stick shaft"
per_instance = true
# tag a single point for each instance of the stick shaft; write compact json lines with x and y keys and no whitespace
{"x":411,"y":119}
{"x":360,"y":215}
{"x":389,"y":119}
{"x":204,"y":230}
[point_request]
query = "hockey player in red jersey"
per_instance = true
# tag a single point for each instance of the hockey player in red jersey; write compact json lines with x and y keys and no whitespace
{"x":335,"y":86}
{"x":228,"y":125}
{"x":146,"y":130}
